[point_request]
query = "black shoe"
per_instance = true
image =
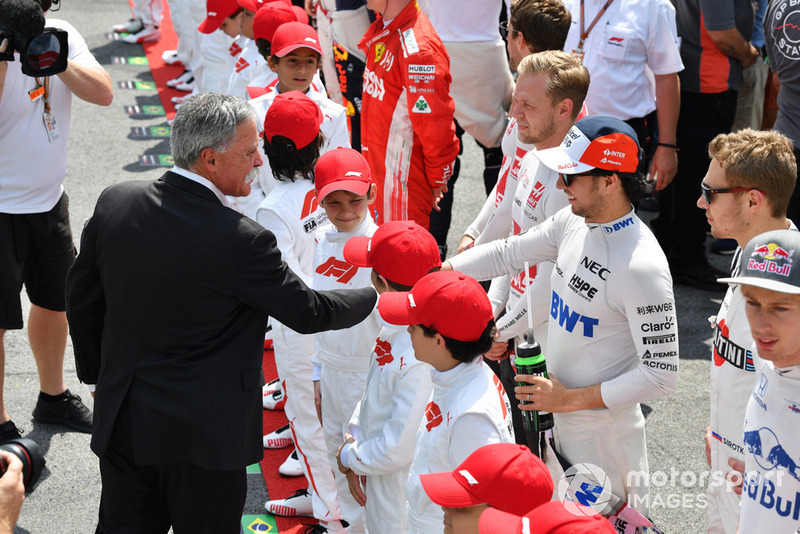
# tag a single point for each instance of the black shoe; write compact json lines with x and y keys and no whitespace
{"x":69,"y":411}
{"x":702,"y":276}
{"x":724,"y":246}
{"x":9,"y":431}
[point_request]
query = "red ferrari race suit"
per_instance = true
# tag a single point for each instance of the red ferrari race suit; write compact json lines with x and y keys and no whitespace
{"x":407,"y":130}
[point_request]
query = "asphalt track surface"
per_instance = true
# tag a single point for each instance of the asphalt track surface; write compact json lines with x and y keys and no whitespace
{"x":101,"y":153}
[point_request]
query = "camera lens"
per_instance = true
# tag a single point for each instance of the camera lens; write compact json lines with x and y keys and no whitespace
{"x":30,"y":454}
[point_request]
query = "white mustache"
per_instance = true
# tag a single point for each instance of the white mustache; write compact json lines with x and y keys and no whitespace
{"x":252,"y":175}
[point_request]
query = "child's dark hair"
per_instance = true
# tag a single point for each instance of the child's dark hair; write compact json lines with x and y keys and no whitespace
{"x":466,"y":351}
{"x":287,"y":161}
{"x":401,"y":287}
{"x":264,"y":48}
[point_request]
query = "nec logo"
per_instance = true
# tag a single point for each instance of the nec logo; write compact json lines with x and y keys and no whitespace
{"x":569,"y":319}
{"x":618,"y":226}
{"x":595,"y":268}
{"x":341,"y":270}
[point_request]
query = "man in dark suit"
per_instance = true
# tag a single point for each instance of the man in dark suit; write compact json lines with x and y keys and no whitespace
{"x":168,"y":303}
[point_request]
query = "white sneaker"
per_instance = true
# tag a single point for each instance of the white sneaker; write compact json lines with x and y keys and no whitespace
{"x":291,"y":466}
{"x":186,"y":87}
{"x":171,"y":57}
{"x":276,"y":401}
{"x":179,"y":99}
{"x":132,"y":26}
{"x":297,"y":504}
{"x":185,"y":76}
{"x":273,"y":385}
{"x":279,"y":438}
{"x":148,"y":33}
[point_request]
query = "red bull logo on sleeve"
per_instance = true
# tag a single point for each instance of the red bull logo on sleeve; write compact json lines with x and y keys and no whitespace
{"x":777,"y":260}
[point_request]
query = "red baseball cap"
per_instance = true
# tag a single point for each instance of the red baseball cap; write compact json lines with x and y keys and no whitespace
{"x":452,"y":303}
{"x":293,"y":35}
{"x":549,"y":518}
{"x":595,"y":142}
{"x":295,"y":116}
{"x":255,"y":5}
{"x":269,"y":18}
{"x":216,"y":13}
{"x":506,"y":476}
{"x":400,"y":251}
{"x":342,"y":169}
{"x":300,"y":13}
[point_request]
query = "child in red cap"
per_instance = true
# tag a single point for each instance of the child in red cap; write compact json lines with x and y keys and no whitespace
{"x":220,"y":44}
{"x":504,"y":476}
{"x":451,"y":325}
{"x":291,"y":142}
{"x":294,"y":61}
{"x":341,"y":357}
{"x":549,"y":518}
{"x":383,"y":429}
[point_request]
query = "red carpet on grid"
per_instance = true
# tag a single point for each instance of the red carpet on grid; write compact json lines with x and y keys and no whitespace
{"x":278,"y":486}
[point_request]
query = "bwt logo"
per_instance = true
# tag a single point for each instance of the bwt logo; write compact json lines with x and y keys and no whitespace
{"x":618,"y":225}
{"x":569,"y":319}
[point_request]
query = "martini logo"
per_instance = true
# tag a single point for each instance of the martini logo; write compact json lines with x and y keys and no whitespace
{"x":383,"y":351}
{"x":777,"y":260}
{"x":726,"y":350}
{"x":421,"y":106}
{"x":433,"y":414}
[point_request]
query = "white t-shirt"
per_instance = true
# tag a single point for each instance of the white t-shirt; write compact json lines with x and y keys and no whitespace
{"x":32,"y":169}
{"x":632,"y":41}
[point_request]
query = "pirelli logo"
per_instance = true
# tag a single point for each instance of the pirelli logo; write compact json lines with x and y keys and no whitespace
{"x":422,"y":69}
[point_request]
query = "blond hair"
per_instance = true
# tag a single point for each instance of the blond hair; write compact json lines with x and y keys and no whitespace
{"x":763,"y":160}
{"x":566,"y":76}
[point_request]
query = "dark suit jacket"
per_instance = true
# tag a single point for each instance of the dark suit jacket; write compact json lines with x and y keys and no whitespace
{"x":168,"y":303}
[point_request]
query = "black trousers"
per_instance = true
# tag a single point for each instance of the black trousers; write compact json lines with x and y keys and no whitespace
{"x":680,"y":225}
{"x":148,"y":499}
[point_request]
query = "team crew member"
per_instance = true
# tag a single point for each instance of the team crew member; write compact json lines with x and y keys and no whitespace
{"x":407,"y":129}
{"x":383,"y":429}
{"x":341,"y":359}
{"x":631,"y":50}
{"x":291,"y":212}
{"x":745,"y":192}
{"x":612,"y":337}
{"x":771,"y":288}
{"x":36,"y":247}
{"x":469,"y":408}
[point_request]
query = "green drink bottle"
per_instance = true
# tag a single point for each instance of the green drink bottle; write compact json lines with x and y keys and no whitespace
{"x":530,"y":361}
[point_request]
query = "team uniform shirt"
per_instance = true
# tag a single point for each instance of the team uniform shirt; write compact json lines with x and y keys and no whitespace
{"x":407,"y":130}
{"x":29,"y":182}
{"x":249,"y":64}
{"x":469,"y":409}
{"x":535,"y":199}
{"x":632,"y":41}
{"x":734,"y":369}
{"x":771,"y":492}
{"x":384,"y":425}
{"x":333,"y":127}
{"x":708,"y":69}
{"x":494,"y":220}
{"x":612,"y":322}
{"x":215,"y":52}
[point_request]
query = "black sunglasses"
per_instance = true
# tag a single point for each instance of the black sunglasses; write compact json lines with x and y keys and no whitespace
{"x":707,"y":191}
{"x":504,"y":29}
{"x":570,"y":177}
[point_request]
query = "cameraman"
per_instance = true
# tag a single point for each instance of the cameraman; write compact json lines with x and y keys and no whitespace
{"x":36,"y":247}
{"x":12,"y":492}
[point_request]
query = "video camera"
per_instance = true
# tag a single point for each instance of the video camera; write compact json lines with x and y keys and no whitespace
{"x":42,"y":51}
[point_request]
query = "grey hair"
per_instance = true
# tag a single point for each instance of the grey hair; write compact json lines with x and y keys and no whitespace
{"x":206,"y":120}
